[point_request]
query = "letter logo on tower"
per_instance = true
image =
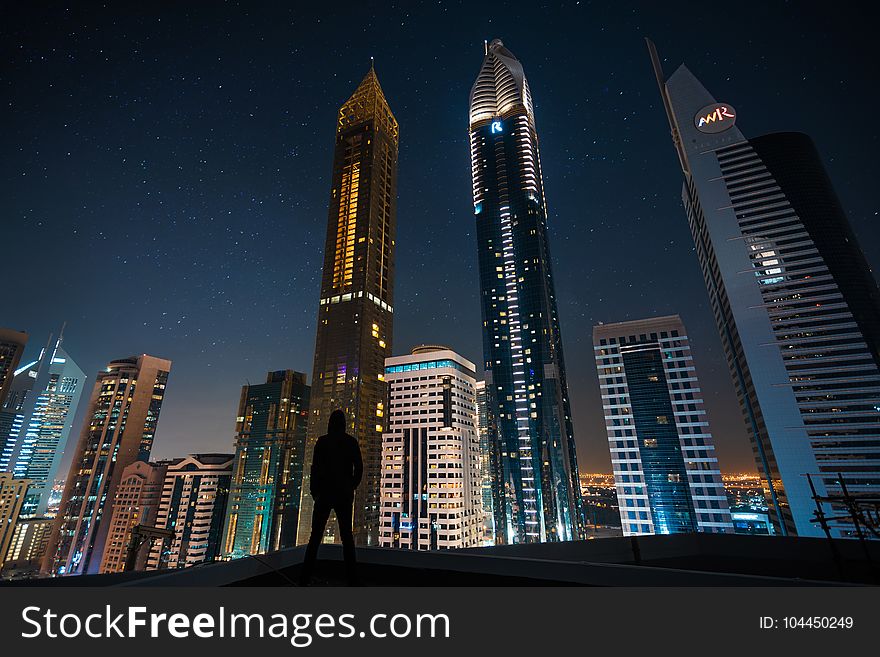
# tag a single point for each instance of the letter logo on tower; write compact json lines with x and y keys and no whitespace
{"x":715,"y":118}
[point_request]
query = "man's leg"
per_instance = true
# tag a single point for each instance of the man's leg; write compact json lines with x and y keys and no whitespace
{"x":320,"y":513}
{"x":343,"y":520}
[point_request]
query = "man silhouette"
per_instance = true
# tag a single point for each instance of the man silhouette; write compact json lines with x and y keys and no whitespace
{"x":336,"y":472}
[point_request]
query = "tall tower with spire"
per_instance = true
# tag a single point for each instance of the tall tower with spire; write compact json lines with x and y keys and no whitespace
{"x":536,"y":478}
{"x":355,"y":311}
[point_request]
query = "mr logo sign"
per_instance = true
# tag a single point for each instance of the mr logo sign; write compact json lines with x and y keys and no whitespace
{"x":715,"y":118}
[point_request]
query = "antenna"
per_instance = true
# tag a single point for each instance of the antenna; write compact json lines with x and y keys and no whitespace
{"x":372,"y":63}
{"x":661,"y":83}
{"x":485,"y":46}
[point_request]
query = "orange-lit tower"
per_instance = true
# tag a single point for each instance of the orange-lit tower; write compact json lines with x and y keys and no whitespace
{"x":355,"y":311}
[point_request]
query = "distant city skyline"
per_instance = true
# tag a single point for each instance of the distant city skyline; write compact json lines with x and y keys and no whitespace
{"x":199,"y":177}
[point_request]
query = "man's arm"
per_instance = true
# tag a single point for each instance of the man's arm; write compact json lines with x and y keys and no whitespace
{"x":358,"y":465}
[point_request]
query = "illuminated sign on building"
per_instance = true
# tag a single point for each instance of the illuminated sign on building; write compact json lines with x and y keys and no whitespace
{"x":496,"y":127}
{"x":715,"y":118}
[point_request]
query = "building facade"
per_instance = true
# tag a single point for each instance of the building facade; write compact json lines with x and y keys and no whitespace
{"x":194,"y":498}
{"x":265,"y":490}
{"x":136,"y":502}
{"x":522,"y":346}
{"x":430,"y":484}
{"x":354,"y":334}
{"x":665,"y":469}
{"x":12,"y":345}
{"x":12,"y":495}
{"x":796,"y":305}
{"x":42,"y":400}
{"x":489,"y":461}
{"x":27,"y":548}
{"x":119,"y":429}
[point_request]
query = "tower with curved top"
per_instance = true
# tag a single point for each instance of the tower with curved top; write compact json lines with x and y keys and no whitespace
{"x":535,"y":479}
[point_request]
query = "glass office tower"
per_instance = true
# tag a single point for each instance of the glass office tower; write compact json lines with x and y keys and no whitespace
{"x":355,"y":312}
{"x":662,"y":453}
{"x":265,"y":489}
{"x":42,"y":402}
{"x":522,"y":346}
{"x":796,"y":304}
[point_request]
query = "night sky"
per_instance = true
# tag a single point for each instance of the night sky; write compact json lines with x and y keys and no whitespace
{"x":165,"y":176}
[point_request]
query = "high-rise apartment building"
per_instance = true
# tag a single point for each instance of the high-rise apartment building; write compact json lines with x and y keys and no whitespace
{"x":136,"y":502}
{"x":522,"y":346}
{"x":265,"y":490}
{"x":42,"y":403}
{"x":355,"y":311}
{"x":12,"y":495}
{"x":193,"y":505}
{"x":119,"y":429}
{"x":662,"y":453}
{"x":796,"y":305}
{"x":12,"y":345}
{"x":430,"y":484}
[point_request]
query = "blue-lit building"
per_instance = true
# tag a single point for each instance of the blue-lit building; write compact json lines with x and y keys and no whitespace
{"x":539,"y":498}
{"x":40,"y":407}
{"x":752,"y":523}
{"x":662,"y":453}
{"x":795,"y":302}
{"x":267,"y":473}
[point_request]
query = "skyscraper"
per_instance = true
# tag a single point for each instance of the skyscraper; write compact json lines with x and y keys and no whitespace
{"x":355,"y":311}
{"x":662,"y":453}
{"x":264,"y":494}
{"x":118,"y":430}
{"x":796,"y":305}
{"x":136,"y":502}
{"x":193,"y":504}
{"x":430,"y":485}
{"x":42,"y":402}
{"x":522,"y":346}
{"x":11,"y":348}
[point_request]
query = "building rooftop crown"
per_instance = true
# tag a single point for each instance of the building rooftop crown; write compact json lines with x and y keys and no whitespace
{"x":428,"y":348}
{"x":366,"y":103}
{"x":501,"y":88}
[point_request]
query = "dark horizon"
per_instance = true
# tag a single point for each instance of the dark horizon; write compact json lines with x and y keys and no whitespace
{"x":166,"y":178}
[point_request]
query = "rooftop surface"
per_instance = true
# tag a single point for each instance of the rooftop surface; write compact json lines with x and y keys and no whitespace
{"x":677,"y":560}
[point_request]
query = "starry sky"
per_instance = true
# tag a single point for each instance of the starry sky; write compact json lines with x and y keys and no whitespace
{"x":165,"y":173}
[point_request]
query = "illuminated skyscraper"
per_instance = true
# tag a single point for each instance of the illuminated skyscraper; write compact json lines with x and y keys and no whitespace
{"x":356,"y":306}
{"x":796,"y":305}
{"x":662,"y":453}
{"x":118,"y":430}
{"x":522,"y":346}
{"x":264,"y":493}
{"x":430,"y":489}
{"x":42,"y":402}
